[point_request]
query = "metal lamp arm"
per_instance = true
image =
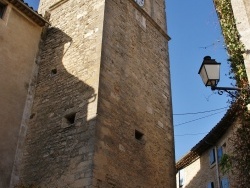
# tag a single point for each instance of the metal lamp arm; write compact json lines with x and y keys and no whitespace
{"x":226,"y":89}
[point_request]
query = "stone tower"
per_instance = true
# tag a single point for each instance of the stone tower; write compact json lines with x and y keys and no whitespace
{"x":102,"y":114}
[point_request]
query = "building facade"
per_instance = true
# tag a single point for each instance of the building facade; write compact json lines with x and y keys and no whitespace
{"x":241,"y":11}
{"x":20,"y":30}
{"x":201,"y":166}
{"x":102,"y":113}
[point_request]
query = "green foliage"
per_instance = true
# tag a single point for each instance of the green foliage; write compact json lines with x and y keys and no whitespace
{"x":225,"y":163}
{"x":240,"y":158}
{"x":232,"y":38}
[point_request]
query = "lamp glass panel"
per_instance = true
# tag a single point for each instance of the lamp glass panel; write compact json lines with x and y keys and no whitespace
{"x":213,"y":73}
{"x":203,"y":75}
{"x":212,"y":83}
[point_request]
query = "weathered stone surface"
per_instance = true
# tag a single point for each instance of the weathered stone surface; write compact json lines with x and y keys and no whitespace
{"x":105,"y":118}
{"x":19,"y":39}
{"x":59,"y":144}
{"x":134,"y":75}
{"x":199,"y":173}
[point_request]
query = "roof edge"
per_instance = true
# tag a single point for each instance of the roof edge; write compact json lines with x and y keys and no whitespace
{"x":29,"y":12}
{"x":210,"y":139}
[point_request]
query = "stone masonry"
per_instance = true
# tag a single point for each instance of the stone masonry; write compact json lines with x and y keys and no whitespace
{"x":102,"y":113}
{"x":200,"y":173}
{"x":241,"y":10}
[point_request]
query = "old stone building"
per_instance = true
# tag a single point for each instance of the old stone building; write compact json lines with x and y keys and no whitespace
{"x":100,"y":112}
{"x":201,"y":166}
{"x":20,"y":30}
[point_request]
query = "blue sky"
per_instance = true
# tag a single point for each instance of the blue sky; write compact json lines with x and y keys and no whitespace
{"x":195,"y":32}
{"x":33,"y":3}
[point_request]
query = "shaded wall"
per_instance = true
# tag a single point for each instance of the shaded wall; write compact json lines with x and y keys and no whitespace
{"x":59,"y":145}
{"x":19,"y":39}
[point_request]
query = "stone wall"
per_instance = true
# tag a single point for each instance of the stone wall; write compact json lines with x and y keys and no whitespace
{"x":156,"y":10}
{"x":102,"y":115}
{"x":44,"y":5}
{"x":199,"y":173}
{"x":203,"y":173}
{"x":134,"y":95}
{"x":59,"y":144}
{"x":19,"y":39}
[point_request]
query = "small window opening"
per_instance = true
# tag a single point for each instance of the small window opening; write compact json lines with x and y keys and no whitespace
{"x":70,"y":118}
{"x":2,"y":9}
{"x":53,"y":71}
{"x":138,"y":135}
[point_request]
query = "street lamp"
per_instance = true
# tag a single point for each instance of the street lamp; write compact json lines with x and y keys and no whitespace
{"x":210,"y":72}
{"x":210,"y":75}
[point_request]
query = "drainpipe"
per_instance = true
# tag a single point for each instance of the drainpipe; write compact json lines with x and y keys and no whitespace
{"x":217,"y":167}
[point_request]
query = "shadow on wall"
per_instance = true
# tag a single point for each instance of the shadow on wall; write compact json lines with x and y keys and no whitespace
{"x":130,"y":140}
{"x":202,"y":172}
{"x":59,"y":136}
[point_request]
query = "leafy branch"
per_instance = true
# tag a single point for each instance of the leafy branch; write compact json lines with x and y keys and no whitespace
{"x":225,"y":163}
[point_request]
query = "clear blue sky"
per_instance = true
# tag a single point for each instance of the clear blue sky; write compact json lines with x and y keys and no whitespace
{"x":195,"y":32}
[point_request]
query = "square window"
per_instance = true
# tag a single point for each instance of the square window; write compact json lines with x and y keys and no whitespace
{"x":70,"y":118}
{"x":53,"y":72}
{"x":212,"y":156}
{"x":2,"y":9}
{"x":138,"y":135}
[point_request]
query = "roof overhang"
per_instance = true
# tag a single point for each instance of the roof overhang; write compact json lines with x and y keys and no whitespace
{"x":29,"y":12}
{"x":210,"y":139}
